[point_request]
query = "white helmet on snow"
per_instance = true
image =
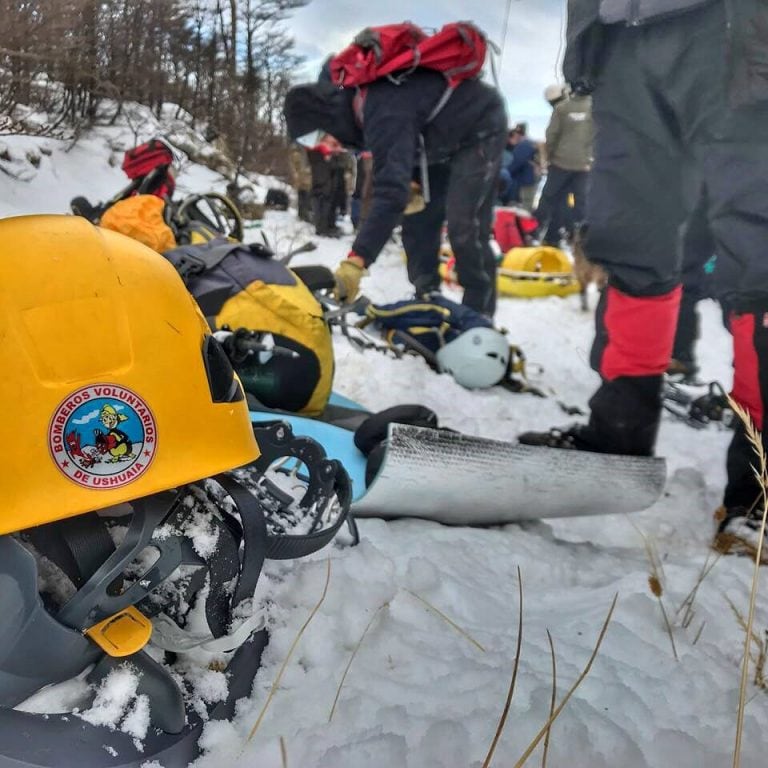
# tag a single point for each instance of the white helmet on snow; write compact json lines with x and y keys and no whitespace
{"x":554,"y":92}
{"x":476,"y":359}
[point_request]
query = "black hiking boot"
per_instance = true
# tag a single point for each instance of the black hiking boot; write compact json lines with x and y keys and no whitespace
{"x":624,"y":419}
{"x":739,"y":533}
{"x":682,"y":371}
{"x":577,"y":436}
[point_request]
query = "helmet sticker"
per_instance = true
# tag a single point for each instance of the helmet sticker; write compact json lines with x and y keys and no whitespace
{"x":103,"y":436}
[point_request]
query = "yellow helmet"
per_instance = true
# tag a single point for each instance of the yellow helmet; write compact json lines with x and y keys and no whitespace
{"x":113,"y":388}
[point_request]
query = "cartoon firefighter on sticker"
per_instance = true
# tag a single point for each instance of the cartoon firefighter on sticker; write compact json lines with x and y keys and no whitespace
{"x":114,"y":442}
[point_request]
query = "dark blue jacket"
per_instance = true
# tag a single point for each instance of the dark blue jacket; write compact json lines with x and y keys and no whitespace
{"x":393,"y":118}
{"x":521,"y":169}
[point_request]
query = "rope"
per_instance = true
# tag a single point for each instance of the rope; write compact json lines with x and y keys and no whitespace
{"x":558,"y":58}
{"x":507,"y":14}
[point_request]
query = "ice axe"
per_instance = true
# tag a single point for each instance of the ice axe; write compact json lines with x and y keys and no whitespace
{"x":307,"y":247}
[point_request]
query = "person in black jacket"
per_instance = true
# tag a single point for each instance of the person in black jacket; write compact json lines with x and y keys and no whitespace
{"x":680,"y":88}
{"x":463,"y":144}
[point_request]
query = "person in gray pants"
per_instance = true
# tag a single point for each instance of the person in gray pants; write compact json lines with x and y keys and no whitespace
{"x":679,"y":86}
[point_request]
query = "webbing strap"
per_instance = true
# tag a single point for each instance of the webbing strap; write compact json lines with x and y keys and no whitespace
{"x":192,"y":260}
{"x":78,"y":545}
{"x":254,"y":531}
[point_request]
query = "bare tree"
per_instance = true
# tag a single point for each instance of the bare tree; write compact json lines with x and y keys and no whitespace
{"x":225,"y":62}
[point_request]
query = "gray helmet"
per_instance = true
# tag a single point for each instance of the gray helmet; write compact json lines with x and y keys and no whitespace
{"x":478,"y":358}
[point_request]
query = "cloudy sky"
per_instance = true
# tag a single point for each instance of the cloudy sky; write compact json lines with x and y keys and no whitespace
{"x":531,"y":53}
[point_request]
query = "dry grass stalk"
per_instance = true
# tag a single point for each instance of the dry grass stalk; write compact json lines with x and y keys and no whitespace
{"x":352,"y":658}
{"x":698,"y":634}
{"x":669,"y":627}
{"x":761,"y":646}
{"x":283,"y":753}
{"x":295,"y":642}
{"x":515,"y":668}
{"x":552,"y":701}
{"x":756,"y":439}
{"x":686,"y":607}
{"x":656,"y":582}
{"x":545,"y":728}
{"x":439,"y":613}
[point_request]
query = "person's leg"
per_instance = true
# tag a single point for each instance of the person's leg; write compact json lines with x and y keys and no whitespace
{"x":469,"y":208}
{"x":527,"y":197}
{"x":550,"y":211}
{"x":729,"y":147}
{"x":421,"y":233}
{"x":737,"y":183}
{"x":505,"y":187}
{"x":578,"y":188}
{"x":634,"y":210}
{"x":485,"y":225}
{"x":305,"y":204}
{"x":698,"y":247}
{"x":322,"y":192}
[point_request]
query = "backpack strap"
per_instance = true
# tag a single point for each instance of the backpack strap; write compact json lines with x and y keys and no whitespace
{"x":194,"y":260}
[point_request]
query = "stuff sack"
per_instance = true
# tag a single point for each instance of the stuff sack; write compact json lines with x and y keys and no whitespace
{"x":241,"y":288}
{"x":142,"y":218}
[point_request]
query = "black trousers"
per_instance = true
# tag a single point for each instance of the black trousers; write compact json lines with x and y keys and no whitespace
{"x":662,"y":109}
{"x":553,"y":213}
{"x":324,"y":185}
{"x":304,"y":199}
{"x":462,"y":192}
{"x":698,"y":247}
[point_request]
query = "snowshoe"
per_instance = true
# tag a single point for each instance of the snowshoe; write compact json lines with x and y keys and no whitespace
{"x":123,"y":599}
{"x":695,"y":409}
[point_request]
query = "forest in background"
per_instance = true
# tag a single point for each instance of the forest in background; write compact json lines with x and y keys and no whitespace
{"x":227,"y":63}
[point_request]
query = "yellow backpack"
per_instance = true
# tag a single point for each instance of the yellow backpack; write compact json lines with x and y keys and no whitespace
{"x":241,"y":286}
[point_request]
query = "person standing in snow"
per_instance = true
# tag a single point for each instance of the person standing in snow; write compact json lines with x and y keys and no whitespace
{"x":301,"y":178}
{"x":326,"y":173}
{"x":679,"y":86}
{"x":520,"y":173}
{"x":569,"y":157}
{"x":463,"y":145}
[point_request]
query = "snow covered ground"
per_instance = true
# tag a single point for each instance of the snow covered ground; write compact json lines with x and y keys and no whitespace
{"x":419,"y":694}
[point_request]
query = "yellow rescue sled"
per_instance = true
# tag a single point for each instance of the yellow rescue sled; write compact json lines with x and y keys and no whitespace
{"x":527,"y":272}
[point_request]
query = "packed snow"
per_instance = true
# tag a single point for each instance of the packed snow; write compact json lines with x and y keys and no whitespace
{"x":423,"y":692}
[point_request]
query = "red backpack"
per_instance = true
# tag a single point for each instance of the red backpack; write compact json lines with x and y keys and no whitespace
{"x":149,"y":165}
{"x":457,"y":50}
{"x":394,"y":51}
{"x":512,"y":228}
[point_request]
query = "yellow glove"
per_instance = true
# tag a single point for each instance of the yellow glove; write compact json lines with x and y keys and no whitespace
{"x":416,"y":202}
{"x":348,"y":275}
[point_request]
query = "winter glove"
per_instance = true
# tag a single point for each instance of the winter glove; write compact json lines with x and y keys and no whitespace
{"x":348,"y":275}
{"x":416,"y":202}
